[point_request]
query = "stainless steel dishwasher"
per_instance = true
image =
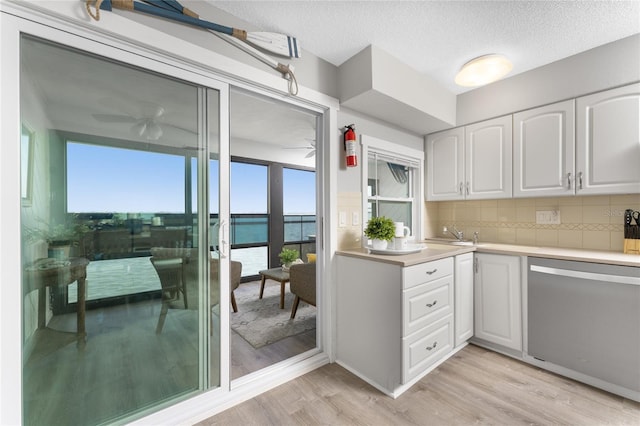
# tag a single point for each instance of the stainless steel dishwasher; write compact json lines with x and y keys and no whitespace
{"x":585,"y":317}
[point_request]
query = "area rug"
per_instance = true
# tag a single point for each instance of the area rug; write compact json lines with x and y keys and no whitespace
{"x":261,"y":321}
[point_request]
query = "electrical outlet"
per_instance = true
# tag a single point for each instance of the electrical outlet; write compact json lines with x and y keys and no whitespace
{"x":548,"y":217}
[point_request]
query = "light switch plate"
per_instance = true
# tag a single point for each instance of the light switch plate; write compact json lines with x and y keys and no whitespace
{"x":342,"y":219}
{"x":548,"y":217}
{"x":355,"y":218}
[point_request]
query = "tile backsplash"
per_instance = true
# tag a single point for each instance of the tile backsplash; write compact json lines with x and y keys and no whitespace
{"x":588,"y":222}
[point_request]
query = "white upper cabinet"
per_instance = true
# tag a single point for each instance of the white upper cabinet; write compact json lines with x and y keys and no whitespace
{"x":445,"y":165}
{"x":472,"y":162}
{"x":543,"y":151}
{"x":608,"y":142}
{"x":488,"y":150}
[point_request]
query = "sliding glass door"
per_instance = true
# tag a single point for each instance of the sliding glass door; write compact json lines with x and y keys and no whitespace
{"x":121,"y":281}
{"x":140,"y":261}
{"x":273,"y":208}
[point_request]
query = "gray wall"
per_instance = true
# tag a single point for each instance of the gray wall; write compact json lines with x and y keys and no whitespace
{"x":349,"y":178}
{"x":611,"y":65}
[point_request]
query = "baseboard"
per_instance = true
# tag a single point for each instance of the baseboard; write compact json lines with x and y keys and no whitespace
{"x":356,"y":373}
{"x":497,"y":348}
{"x":403,"y":387}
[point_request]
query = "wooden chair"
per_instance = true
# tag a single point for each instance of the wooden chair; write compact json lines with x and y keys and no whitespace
{"x":168,"y":261}
{"x":172,"y":282}
{"x":302,"y":283}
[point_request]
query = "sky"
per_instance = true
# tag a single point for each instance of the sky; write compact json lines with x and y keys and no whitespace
{"x":107,"y":179}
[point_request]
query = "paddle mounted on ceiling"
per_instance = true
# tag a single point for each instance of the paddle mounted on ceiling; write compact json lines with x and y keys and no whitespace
{"x":279,"y":44}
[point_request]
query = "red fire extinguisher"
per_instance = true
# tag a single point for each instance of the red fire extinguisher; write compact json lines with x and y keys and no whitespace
{"x":350,"y":145}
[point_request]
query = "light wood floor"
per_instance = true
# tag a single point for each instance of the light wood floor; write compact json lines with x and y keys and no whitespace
{"x":475,"y":386}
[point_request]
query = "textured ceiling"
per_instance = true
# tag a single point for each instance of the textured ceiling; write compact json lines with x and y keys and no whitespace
{"x":437,"y":37}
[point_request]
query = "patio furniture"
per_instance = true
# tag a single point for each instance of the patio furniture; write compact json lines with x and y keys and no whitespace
{"x":54,"y":273}
{"x":236,"y":276}
{"x":171,"y":274}
{"x":302,"y":285}
{"x":276,"y":274}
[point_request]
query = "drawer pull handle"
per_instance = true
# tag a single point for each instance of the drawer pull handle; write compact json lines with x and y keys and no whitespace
{"x":432,"y":272}
{"x":432,"y":304}
{"x":429,"y":348}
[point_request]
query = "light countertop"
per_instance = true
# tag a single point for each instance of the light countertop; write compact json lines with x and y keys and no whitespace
{"x":440,"y":250}
{"x":432,"y":252}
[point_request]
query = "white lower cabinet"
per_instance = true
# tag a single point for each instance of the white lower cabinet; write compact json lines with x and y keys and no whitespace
{"x":423,"y":348}
{"x":394,"y":323}
{"x":463,"y":273}
{"x":498,"y":305}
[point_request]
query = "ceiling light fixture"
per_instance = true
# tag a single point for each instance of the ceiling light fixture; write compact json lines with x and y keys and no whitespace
{"x":483,"y":70}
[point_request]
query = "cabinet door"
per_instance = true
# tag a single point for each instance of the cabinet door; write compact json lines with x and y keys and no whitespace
{"x":488,"y":149}
{"x":544,"y":151}
{"x":445,"y":165}
{"x":608,"y":142}
{"x":497,"y":300}
{"x":463,"y":308}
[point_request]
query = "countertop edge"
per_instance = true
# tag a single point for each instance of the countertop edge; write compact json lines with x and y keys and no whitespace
{"x":435,"y":251}
{"x":580,"y":255}
{"x":425,"y":255}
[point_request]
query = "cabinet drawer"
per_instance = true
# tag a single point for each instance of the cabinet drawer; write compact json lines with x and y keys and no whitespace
{"x":425,"y":272}
{"x":424,"y":348}
{"x":426,"y":303}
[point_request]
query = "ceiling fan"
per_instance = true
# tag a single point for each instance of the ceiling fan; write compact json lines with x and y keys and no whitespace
{"x":311,"y":147}
{"x":148,"y":124}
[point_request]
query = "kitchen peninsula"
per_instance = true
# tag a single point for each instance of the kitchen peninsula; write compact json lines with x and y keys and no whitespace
{"x":399,"y":317}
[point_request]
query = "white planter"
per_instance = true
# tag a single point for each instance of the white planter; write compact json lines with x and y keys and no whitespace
{"x":379,"y":244}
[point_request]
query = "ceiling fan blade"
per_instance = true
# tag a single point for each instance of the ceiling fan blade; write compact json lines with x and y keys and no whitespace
{"x":311,"y":154}
{"x":151,"y":109}
{"x":183,"y":129}
{"x":114,"y":118}
{"x":148,"y":129}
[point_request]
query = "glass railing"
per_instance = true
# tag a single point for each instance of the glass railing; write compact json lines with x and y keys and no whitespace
{"x":299,"y":228}
{"x":114,"y":245}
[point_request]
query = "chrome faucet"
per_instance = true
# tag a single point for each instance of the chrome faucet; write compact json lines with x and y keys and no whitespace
{"x":459,"y":235}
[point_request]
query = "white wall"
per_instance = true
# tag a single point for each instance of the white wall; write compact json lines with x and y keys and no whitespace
{"x":349,"y":178}
{"x":604,"y":67}
{"x":349,"y":187}
{"x":310,"y":71}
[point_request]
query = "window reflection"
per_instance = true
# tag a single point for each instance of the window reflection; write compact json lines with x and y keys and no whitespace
{"x":111,"y":281}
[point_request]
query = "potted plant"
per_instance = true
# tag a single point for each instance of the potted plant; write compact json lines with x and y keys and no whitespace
{"x":287,"y":257}
{"x":60,"y":238}
{"x":380,"y":230}
{"x":64,"y":236}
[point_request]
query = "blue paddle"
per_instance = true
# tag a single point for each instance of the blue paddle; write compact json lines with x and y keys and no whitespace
{"x":279,"y":44}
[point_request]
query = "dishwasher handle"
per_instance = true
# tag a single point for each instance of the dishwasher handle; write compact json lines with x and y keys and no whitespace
{"x":620,"y":279}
